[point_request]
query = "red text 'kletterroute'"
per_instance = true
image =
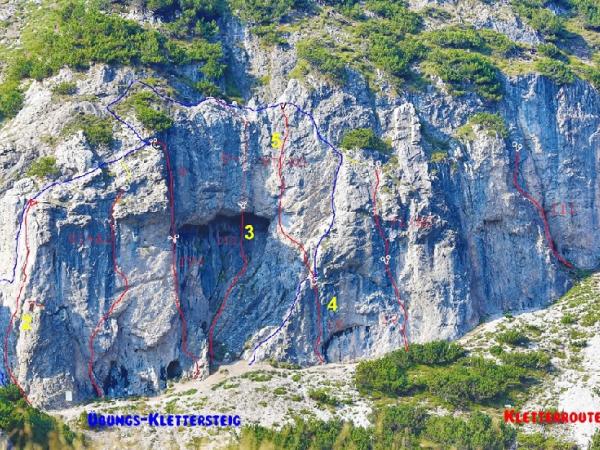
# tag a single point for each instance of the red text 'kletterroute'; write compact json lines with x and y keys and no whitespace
{"x":546,"y":417}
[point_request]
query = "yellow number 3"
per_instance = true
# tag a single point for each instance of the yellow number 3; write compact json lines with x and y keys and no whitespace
{"x":250,"y":234}
{"x":276,"y":140}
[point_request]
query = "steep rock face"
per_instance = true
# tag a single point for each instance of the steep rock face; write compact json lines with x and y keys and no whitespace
{"x":463,"y":242}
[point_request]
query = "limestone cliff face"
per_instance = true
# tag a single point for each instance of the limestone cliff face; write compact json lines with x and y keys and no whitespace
{"x":464,"y":243}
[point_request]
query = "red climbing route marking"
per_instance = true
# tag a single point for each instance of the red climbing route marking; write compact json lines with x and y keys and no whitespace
{"x":386,"y":260}
{"x":173,"y":234}
{"x":541,"y":212}
{"x":104,"y":318}
{"x":30,"y":204}
{"x":243,"y":255}
{"x":291,"y":239}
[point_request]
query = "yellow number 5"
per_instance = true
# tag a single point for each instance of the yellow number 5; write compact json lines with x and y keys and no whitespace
{"x":276,"y":140}
{"x":250,"y":234}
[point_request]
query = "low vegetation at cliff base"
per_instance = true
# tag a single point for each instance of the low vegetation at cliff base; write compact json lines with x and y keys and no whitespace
{"x":401,"y":426}
{"x":442,"y":371}
{"x":28,"y":427}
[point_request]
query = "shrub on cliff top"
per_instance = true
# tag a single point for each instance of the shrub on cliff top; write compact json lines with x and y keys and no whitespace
{"x":321,"y":56}
{"x":364,"y":138}
{"x":43,"y":167}
{"x":465,"y":71}
{"x":494,"y":125}
{"x":146,"y":107}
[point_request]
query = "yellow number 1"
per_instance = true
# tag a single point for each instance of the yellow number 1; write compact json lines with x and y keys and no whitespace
{"x":332,"y":305}
{"x":250,"y":234}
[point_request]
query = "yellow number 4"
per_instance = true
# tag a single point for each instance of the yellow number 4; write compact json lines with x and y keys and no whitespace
{"x":250,"y":234}
{"x":332,"y":305}
{"x":276,"y":140}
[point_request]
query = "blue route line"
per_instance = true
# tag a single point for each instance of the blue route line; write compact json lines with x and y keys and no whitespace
{"x":146,"y":142}
{"x":287,"y":317}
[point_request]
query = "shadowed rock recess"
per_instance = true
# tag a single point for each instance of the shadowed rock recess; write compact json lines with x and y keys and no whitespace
{"x":483,"y":251}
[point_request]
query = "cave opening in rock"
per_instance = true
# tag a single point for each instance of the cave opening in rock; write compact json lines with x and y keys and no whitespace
{"x":110,"y":382}
{"x":174,"y":370}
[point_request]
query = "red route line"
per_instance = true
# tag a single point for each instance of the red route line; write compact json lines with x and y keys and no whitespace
{"x":242,"y":271}
{"x":541,"y":212}
{"x":387,"y":263}
{"x":30,"y":203}
{"x":184,"y":348}
{"x":104,"y":318}
{"x":295,"y":242}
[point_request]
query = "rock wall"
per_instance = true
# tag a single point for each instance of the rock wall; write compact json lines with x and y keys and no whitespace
{"x":463,"y":242}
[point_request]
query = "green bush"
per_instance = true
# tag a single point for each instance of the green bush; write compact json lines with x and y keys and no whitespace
{"x":190,"y":18}
{"x":208,"y":89}
{"x":258,"y":376}
{"x":65,"y":88}
{"x":498,"y":43}
{"x":393,"y":56}
{"x":512,"y":337}
{"x":364,"y":138}
{"x":540,"y":18}
{"x":435,"y":353}
{"x":552,"y":51}
{"x":302,"y":435}
{"x":399,"y":417}
{"x":28,"y":427}
{"x":322,"y":395}
{"x":466,"y":38}
{"x":537,"y":441}
{"x":145,"y":105}
{"x":556,"y":70}
{"x":321,"y":56}
{"x":267,"y":11}
{"x":76,"y":34}
{"x":11,"y":99}
{"x":493,"y":124}
{"x":496,"y":350}
{"x":547,"y":23}
{"x":595,"y":443}
{"x":438,"y":157}
{"x":159,"y":5}
{"x":396,"y":427}
{"x":270,"y":34}
{"x":590,"y":10}
{"x":381,"y":376}
{"x":465,"y":71}
{"x":567,"y":319}
{"x":400,"y":19}
{"x":529,"y":360}
{"x":478,"y":432}
{"x":476,"y":380}
{"x":97,"y":130}
{"x":44,"y":166}
{"x":388,"y":376}
{"x":592,"y":74}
